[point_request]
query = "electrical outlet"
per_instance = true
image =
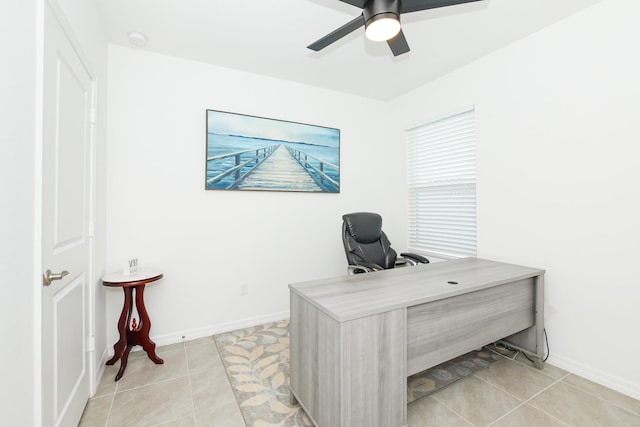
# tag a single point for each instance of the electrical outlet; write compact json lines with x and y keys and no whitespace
{"x":244,"y":290}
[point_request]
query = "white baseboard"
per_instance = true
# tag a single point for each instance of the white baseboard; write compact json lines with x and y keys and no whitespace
{"x":103,"y":359}
{"x":206,"y":331}
{"x":99,"y":370}
{"x":610,"y":381}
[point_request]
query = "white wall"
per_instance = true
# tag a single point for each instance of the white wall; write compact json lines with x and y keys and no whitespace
{"x":557,"y":147}
{"x":19,"y":305}
{"x":208,"y":243}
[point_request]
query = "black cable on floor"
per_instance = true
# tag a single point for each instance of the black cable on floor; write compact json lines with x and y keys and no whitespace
{"x":527,"y":357}
{"x":547,"y":341}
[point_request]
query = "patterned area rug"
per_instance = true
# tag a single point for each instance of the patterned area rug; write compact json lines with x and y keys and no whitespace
{"x":257,"y":363}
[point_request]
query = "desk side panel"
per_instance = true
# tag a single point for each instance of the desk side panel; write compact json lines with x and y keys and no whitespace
{"x":531,"y":340}
{"x":350,"y":374}
{"x":314,"y":364}
{"x":441,"y":330}
{"x":373,"y":367}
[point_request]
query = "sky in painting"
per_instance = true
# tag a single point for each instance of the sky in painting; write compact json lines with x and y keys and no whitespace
{"x":256,"y":127}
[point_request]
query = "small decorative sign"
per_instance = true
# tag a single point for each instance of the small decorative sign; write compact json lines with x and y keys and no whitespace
{"x":130,"y":267}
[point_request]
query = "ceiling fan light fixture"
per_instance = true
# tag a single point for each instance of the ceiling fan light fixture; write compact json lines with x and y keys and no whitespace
{"x":383,"y":26}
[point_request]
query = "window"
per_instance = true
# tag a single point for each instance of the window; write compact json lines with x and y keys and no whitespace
{"x":441,"y":166}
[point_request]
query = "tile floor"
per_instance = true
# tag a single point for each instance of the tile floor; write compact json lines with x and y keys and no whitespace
{"x":191,"y":389}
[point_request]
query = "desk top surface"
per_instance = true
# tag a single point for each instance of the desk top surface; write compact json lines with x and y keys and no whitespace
{"x":352,"y":297}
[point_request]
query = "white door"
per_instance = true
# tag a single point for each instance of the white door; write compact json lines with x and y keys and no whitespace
{"x":68,"y":98}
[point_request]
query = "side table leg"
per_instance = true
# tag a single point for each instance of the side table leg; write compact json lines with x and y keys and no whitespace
{"x":123,"y":363}
{"x":144,"y":328}
{"x":123,"y":324}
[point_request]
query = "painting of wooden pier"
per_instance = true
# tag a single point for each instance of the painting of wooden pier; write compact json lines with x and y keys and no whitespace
{"x":255,"y":153}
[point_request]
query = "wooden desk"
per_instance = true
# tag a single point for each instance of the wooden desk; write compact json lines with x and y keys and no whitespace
{"x":132,"y":334}
{"x":355,"y":339}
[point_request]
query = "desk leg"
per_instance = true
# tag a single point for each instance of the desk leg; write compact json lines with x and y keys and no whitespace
{"x":123,"y":325}
{"x":538,"y":363}
{"x":145,"y":326}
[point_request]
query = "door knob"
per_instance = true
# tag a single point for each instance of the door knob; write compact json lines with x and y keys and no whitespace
{"x":49,"y":277}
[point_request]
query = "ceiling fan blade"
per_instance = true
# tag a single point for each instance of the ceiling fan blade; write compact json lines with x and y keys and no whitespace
{"x":337,"y":34}
{"x":398,"y":44}
{"x":356,"y":3}
{"x":407,"y":6}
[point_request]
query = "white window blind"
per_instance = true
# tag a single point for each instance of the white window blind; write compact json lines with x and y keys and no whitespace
{"x":441,"y":165}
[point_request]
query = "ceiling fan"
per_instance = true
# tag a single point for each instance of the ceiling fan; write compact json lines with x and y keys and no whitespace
{"x":381,"y":19}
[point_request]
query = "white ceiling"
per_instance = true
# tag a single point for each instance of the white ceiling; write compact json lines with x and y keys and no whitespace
{"x":269,"y":37}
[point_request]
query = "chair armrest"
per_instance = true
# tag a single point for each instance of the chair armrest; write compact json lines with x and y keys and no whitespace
{"x":403,"y":262}
{"x":363,"y":267}
{"x":415,"y":257}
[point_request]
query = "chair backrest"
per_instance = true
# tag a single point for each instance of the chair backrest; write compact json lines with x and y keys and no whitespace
{"x":364,"y":240}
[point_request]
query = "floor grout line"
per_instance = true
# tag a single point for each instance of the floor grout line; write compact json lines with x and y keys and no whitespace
{"x":451,"y":409}
{"x":117,"y":388}
{"x":153,"y":383}
{"x":185,"y":349}
{"x":526,"y":401}
{"x":541,"y":370}
{"x":618,"y":405}
{"x":507,"y":413}
{"x":193,"y":405}
{"x":434,"y":396}
{"x":113,"y":398}
{"x":556,"y":381}
{"x":522,"y":401}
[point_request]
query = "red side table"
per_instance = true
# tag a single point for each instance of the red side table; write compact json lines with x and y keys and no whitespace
{"x":132,"y":334}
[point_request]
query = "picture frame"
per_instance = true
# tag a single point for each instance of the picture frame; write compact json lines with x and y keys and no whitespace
{"x":245,"y":152}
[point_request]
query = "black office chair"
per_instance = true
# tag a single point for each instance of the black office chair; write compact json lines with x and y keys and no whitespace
{"x":368,"y":248}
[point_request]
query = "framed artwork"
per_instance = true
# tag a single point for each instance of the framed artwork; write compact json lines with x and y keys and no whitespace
{"x":256,"y":153}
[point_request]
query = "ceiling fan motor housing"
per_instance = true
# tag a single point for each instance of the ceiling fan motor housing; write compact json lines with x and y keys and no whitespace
{"x":377,"y":9}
